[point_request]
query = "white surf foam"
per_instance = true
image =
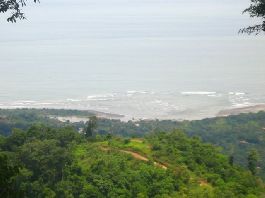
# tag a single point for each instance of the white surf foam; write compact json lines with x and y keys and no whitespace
{"x":73,"y":100}
{"x":102,"y":97}
{"x":210,"y":93}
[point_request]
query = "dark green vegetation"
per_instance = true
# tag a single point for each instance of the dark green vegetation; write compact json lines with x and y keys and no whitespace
{"x":91,"y":126}
{"x":14,"y":7}
{"x":51,"y":159}
{"x":237,"y":135}
{"x":24,"y":118}
{"x":256,"y":10}
{"x":60,"y":162}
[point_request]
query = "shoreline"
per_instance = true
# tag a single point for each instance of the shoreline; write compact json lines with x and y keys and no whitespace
{"x":236,"y":111}
{"x":73,"y":118}
{"x":85,"y":114}
{"x":223,"y":113}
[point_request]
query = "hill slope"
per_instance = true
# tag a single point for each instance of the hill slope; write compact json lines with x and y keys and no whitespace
{"x":61,"y":163}
{"x":237,"y":135}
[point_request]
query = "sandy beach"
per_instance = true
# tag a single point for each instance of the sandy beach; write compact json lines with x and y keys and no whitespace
{"x":222,"y":113}
{"x":236,"y":111}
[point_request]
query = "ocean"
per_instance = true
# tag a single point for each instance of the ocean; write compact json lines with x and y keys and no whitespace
{"x":141,"y":59}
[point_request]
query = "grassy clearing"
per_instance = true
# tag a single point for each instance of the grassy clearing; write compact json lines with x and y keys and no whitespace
{"x":83,"y":160}
{"x":137,"y":145}
{"x":86,"y":153}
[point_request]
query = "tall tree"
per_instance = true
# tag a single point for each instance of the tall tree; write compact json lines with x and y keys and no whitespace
{"x":91,"y":126}
{"x":256,"y":10}
{"x":14,"y":7}
{"x":253,"y":161}
{"x":7,"y":180}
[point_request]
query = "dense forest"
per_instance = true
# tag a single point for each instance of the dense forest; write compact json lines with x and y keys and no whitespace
{"x":60,"y":162}
{"x":44,"y":157}
{"x":237,"y":135}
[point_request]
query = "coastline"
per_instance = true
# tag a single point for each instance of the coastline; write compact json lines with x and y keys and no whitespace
{"x":74,"y":117}
{"x":223,"y":113}
{"x":71,"y":115}
{"x":237,"y":111}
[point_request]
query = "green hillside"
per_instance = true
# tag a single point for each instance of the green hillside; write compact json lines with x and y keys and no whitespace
{"x":49,"y":162}
{"x":237,"y":135}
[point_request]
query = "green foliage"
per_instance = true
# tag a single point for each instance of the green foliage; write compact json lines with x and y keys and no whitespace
{"x":115,"y":174}
{"x":135,"y":144}
{"x":60,"y":162}
{"x":8,"y":171}
{"x":127,"y":141}
{"x":256,"y":10}
{"x":253,"y":161}
{"x":205,"y":161}
{"x":91,"y":126}
{"x":14,"y":7}
{"x":237,"y":135}
{"x":45,"y":159}
{"x":25,"y":118}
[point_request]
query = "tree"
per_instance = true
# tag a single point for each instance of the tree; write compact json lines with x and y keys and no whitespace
{"x":13,"y":7}
{"x":91,"y":126}
{"x":45,"y":158}
{"x":253,"y":161}
{"x":231,"y":160}
{"x":7,"y":173}
{"x":256,"y":10}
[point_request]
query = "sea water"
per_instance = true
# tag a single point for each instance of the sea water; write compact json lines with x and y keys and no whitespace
{"x":141,"y":59}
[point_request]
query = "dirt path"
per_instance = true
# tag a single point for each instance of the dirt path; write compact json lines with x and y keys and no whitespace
{"x":157,"y":164}
{"x":160,"y":165}
{"x":137,"y":140}
{"x":203,"y":183}
{"x":135,"y":155}
{"x":143,"y":158}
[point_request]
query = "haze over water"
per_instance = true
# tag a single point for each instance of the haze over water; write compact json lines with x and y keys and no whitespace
{"x":169,"y":59}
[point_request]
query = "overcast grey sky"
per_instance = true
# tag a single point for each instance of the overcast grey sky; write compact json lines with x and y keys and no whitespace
{"x":78,"y":19}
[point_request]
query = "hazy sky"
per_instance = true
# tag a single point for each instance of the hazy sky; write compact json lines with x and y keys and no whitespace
{"x":79,"y":19}
{"x":122,"y":44}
